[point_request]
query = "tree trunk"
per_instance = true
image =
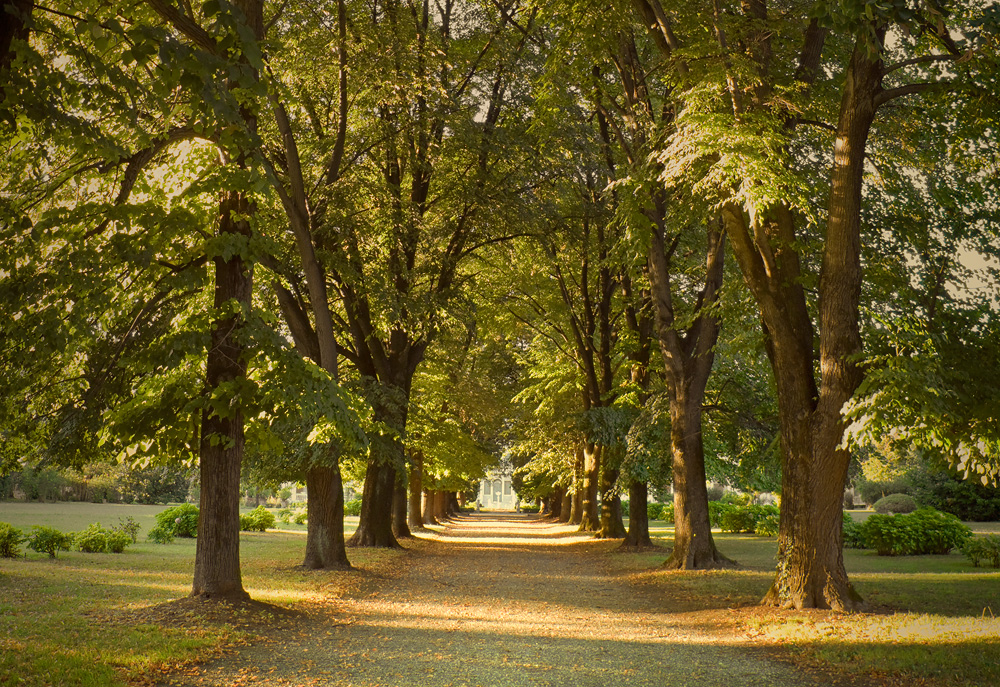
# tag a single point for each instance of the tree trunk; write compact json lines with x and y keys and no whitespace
{"x":400,"y":530}
{"x":637,"y":537}
{"x":415,"y":518}
{"x":590,"y":518}
{"x":440,"y":505}
{"x":555,"y":502}
{"x":566,"y":509}
{"x":811,"y":571}
{"x":694,"y":548}
{"x":325,"y":546}
{"x":375,"y":523}
{"x":612,"y":526}
{"x":217,"y":552}
{"x":427,"y":509}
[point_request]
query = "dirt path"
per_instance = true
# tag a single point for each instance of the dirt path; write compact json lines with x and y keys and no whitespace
{"x":501,"y":601}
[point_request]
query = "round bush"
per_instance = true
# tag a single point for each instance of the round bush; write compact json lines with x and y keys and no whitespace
{"x":49,"y":540}
{"x":94,"y":539}
{"x":352,"y":507}
{"x":11,"y":539}
{"x":180,"y":521}
{"x":258,"y":520}
{"x":654,"y":511}
{"x":895,"y":503}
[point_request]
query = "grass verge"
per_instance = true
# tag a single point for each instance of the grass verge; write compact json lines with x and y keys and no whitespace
{"x":79,"y":619}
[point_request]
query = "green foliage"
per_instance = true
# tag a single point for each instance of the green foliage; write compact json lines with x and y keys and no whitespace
{"x":924,"y":531}
{"x":895,"y":503}
{"x":11,"y":539}
{"x":161,"y":534}
{"x":179,"y":521}
{"x":768,"y":524}
{"x":853,"y":535}
{"x":301,"y":518}
{"x":259,"y":519}
{"x":983,"y":549}
{"x":129,"y":527}
{"x":49,"y":540}
{"x":653,"y":510}
{"x":871,"y":492}
{"x":284,"y":515}
{"x":965,"y":499}
{"x":353,"y":507}
{"x":96,"y":539}
{"x":716,"y":510}
{"x":745,"y":518}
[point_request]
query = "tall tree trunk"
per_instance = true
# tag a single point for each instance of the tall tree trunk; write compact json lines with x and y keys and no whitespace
{"x":217,"y":552}
{"x":590,"y":517}
{"x":325,"y":546}
{"x":566,"y":509}
{"x":612,"y":526}
{"x":555,"y":502}
{"x":637,"y":537}
{"x":440,"y":505}
{"x":811,"y":571}
{"x":428,"y":508}
{"x":400,"y":530}
{"x":375,"y":522}
{"x":694,"y":547}
{"x":414,"y":517}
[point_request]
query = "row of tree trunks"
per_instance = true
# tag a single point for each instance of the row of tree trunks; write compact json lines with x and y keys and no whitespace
{"x":556,"y":502}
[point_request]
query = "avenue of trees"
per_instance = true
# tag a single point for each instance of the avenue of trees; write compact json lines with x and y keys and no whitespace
{"x":620,"y":246}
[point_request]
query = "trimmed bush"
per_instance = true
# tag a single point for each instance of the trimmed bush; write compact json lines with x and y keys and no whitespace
{"x":161,"y":535}
{"x":925,"y":531}
{"x":767,"y":525}
{"x":353,"y":507}
{"x":11,"y":539}
{"x":983,"y":549}
{"x":49,"y":540}
{"x":301,"y":518}
{"x":653,"y":510}
{"x":667,"y":513}
{"x":715,"y":511}
{"x":180,"y":521}
{"x":259,"y":519}
{"x":284,"y":515}
{"x":895,"y":503}
{"x":94,"y":539}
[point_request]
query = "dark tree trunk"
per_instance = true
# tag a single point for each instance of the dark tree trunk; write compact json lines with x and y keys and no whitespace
{"x":555,"y":502}
{"x":217,"y":553}
{"x":375,"y":523}
{"x":694,"y":547}
{"x":415,"y":518}
{"x":428,"y":508}
{"x":566,"y":509}
{"x":454,"y":508}
{"x":612,"y":526}
{"x":638,"y":517}
{"x":590,"y":517}
{"x":440,"y":505}
{"x":325,"y":546}
{"x":13,"y":26}
{"x":400,"y":530}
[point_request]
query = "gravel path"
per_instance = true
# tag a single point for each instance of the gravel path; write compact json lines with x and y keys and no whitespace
{"x":502,"y":601}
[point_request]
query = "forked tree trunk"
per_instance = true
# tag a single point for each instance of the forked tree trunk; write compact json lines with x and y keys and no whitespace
{"x":325,"y":546}
{"x":590,"y":517}
{"x":414,"y":517}
{"x":217,"y":552}
{"x":428,"y":508}
{"x":400,"y":530}
{"x":638,"y":517}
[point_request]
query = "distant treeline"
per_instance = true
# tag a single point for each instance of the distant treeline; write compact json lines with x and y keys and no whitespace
{"x":99,"y":484}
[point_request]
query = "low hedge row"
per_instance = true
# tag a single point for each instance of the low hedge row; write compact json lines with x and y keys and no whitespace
{"x":93,"y":539}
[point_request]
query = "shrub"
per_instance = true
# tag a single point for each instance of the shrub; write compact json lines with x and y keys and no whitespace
{"x":94,"y":539}
{"x":667,"y":512}
{"x":895,"y":503}
{"x":767,"y":525}
{"x":301,"y":518}
{"x":745,"y":518}
{"x":11,"y":539}
{"x":257,"y":520}
{"x":715,"y":511}
{"x":118,"y":541}
{"x":925,"y":531}
{"x":715,"y":492}
{"x":129,"y":527}
{"x":966,"y":499}
{"x":284,"y":515}
{"x":180,"y":521}
{"x":654,"y":510}
{"x":353,"y":507}
{"x":979,"y":549}
{"x":853,"y":533}
{"x":49,"y":540}
{"x":871,"y":492}
{"x":161,"y":535}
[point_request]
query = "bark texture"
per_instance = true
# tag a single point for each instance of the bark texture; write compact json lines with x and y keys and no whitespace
{"x":590,"y":516}
{"x":325,"y":545}
{"x":637,"y":537}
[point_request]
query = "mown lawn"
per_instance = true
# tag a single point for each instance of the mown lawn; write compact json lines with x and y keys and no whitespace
{"x":932,"y":620}
{"x":60,"y":620}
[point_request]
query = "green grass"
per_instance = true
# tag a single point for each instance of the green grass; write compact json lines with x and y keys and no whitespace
{"x":56,"y":615}
{"x":935,"y":619}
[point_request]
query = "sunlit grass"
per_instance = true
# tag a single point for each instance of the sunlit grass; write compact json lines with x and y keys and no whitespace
{"x":57,"y":617}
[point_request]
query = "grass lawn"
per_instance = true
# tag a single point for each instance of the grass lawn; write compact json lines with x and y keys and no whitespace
{"x":56,"y":616}
{"x":932,"y":621}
